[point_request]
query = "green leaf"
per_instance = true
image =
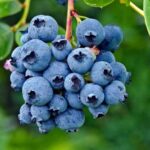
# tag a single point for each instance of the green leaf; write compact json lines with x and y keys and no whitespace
{"x":127,"y":2}
{"x":61,"y":30}
{"x":6,"y":43}
{"x":146,"y":4}
{"x":98,"y":3}
{"x":19,"y":33}
{"x":9,"y":7}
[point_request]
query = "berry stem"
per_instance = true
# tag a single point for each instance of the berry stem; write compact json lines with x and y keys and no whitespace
{"x":23,"y":19}
{"x":69,"y":20}
{"x":137,"y":9}
{"x":76,"y":16}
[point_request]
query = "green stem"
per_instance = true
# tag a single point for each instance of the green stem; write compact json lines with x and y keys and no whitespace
{"x":137,"y":9}
{"x":83,"y":17}
{"x":23,"y":19}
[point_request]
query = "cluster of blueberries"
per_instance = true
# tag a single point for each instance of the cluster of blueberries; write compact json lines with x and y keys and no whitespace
{"x":57,"y":80}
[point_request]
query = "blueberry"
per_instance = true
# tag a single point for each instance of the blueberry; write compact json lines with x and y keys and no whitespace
{"x":113,"y":38}
{"x":24,"y":115}
{"x":16,"y":60}
{"x":74,"y":82}
{"x":99,"y":111}
{"x":25,"y":38}
{"x":45,"y":126}
{"x":115,"y":93}
{"x":102,"y":73}
{"x":70,"y":120}
{"x":17,"y":80}
{"x":37,"y":91}
{"x":62,"y":2}
{"x":119,"y":71}
{"x":59,"y":37}
{"x":43,"y":27}
{"x":90,"y":32}
{"x":106,"y":56}
{"x":128,"y":77}
{"x":74,"y":100}
{"x":29,"y":74}
{"x":36,"y":55}
{"x":61,"y":48}
{"x":81,"y":60}
{"x":92,"y":95}
{"x":40,"y":113}
{"x":58,"y":105}
{"x":56,"y":73}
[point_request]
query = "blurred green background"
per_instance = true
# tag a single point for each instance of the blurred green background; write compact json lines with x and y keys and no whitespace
{"x":126,"y":127}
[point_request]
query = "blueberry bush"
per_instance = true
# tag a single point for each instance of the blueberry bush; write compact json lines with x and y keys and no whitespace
{"x":69,"y":72}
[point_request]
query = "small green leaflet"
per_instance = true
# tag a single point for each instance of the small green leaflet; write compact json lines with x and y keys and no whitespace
{"x":98,"y":3}
{"x":146,"y":5}
{"x":9,"y":7}
{"x":6,"y":40}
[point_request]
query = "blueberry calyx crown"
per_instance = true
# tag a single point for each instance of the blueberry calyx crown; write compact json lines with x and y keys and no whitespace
{"x":32,"y":95}
{"x":79,"y":57}
{"x":13,"y":61}
{"x":58,"y":79}
{"x":90,"y":36}
{"x":92,"y":98}
{"x":107,"y":72}
{"x":76,"y":82}
{"x":30,"y":58}
{"x":39,"y":23}
{"x":60,"y":44}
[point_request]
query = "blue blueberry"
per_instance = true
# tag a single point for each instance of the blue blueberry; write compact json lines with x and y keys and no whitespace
{"x":36,"y":55}
{"x":74,"y":100}
{"x":16,"y":60}
{"x":43,"y":27}
{"x":115,"y":93}
{"x":92,"y":95}
{"x":99,"y":111}
{"x":24,"y":114}
{"x":59,"y":37}
{"x":128,"y":77}
{"x":17,"y":80}
{"x":29,"y":74}
{"x":37,"y":91}
{"x":106,"y":56}
{"x":45,"y":126}
{"x":39,"y":113}
{"x":113,"y":38}
{"x":57,"y":105}
{"x":25,"y":38}
{"x":62,"y":2}
{"x":70,"y":120}
{"x":61,"y":48}
{"x":102,"y":73}
{"x":81,"y":60}
{"x":90,"y":32}
{"x":74,"y":82}
{"x":56,"y":73}
{"x":119,"y":72}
